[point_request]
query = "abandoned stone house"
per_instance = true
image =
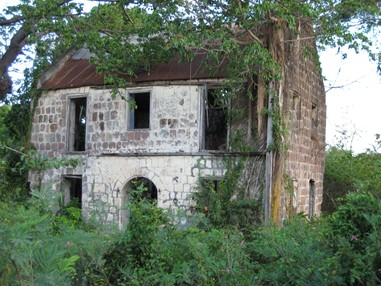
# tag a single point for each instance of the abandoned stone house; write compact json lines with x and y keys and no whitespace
{"x":177,"y":135}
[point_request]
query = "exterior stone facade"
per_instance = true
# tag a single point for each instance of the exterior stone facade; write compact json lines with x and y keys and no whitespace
{"x":304,"y":105}
{"x":168,"y":153}
{"x":163,"y":140}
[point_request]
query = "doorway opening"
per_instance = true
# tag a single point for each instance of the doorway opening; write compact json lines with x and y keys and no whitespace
{"x":139,"y":188}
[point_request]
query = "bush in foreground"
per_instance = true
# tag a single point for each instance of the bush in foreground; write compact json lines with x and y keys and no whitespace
{"x":38,"y":247}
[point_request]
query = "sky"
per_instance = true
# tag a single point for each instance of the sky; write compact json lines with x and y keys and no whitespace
{"x":354,"y":108}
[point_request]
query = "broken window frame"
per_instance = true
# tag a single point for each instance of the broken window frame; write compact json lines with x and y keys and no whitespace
{"x":205,"y":107}
{"x":73,"y":145}
{"x":133,"y":109}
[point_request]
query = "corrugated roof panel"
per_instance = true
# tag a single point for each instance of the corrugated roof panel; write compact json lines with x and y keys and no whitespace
{"x":74,"y":73}
{"x":80,"y":72}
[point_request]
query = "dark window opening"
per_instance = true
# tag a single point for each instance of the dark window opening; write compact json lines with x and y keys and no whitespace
{"x":139,"y":110}
{"x":77,"y":124}
{"x":211,"y":192}
{"x":314,"y":119}
{"x":311,"y":202}
{"x":215,"y":119}
{"x":213,"y":185}
{"x":314,"y":122}
{"x":72,"y":190}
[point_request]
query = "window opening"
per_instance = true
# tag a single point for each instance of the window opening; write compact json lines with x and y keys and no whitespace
{"x":77,"y":124}
{"x":139,"y":110}
{"x":296,"y":106}
{"x":215,"y":119}
{"x":311,"y":203}
{"x":314,"y":122}
{"x":72,"y":190}
{"x":210,"y":184}
{"x":314,"y":119}
{"x":212,"y":190}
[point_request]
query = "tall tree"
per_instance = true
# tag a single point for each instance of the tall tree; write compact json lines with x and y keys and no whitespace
{"x":162,"y":27}
{"x":29,"y":24}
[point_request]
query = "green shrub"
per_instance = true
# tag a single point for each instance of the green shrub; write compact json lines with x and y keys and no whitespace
{"x":355,"y":236}
{"x":155,"y":252}
{"x":128,"y":257}
{"x":338,"y":177}
{"x":33,"y":251}
{"x":297,"y":254}
{"x":346,"y":172}
{"x":30,"y":255}
{"x":224,"y":202}
{"x":185,"y":257}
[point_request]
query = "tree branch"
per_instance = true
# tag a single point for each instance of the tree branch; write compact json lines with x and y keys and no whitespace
{"x":126,"y":15}
{"x":14,"y":49}
{"x":7,"y":22}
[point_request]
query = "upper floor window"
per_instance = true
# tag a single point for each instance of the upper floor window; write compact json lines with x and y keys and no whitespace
{"x":314,"y":122}
{"x":215,"y":119}
{"x":296,"y":106}
{"x":77,"y":124}
{"x":314,"y":116}
{"x":139,"y":115}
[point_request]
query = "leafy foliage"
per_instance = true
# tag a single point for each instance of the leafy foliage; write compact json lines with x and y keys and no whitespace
{"x":33,"y":253}
{"x":297,"y":254}
{"x":40,"y":246}
{"x":158,"y":29}
{"x":9,"y":180}
{"x":155,"y":252}
{"x":223,"y":202}
{"x":355,"y":226}
{"x":346,"y":172}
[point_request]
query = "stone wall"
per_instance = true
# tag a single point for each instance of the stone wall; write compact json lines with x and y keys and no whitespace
{"x":174,"y":123}
{"x":105,"y":177}
{"x":175,"y":178}
{"x":304,"y":109}
{"x":168,"y":153}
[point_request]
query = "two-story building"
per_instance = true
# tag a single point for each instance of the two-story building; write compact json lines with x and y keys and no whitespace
{"x":167,"y":130}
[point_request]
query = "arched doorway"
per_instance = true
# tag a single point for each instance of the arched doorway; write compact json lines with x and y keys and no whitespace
{"x":141,"y":187}
{"x":137,"y":188}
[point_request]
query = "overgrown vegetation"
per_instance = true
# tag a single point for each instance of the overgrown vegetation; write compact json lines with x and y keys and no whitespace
{"x":40,"y":246}
{"x":346,"y":172}
{"x":223,"y":201}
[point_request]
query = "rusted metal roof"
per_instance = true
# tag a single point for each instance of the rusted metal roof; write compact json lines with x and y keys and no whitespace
{"x":80,"y":72}
{"x":74,"y":73}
